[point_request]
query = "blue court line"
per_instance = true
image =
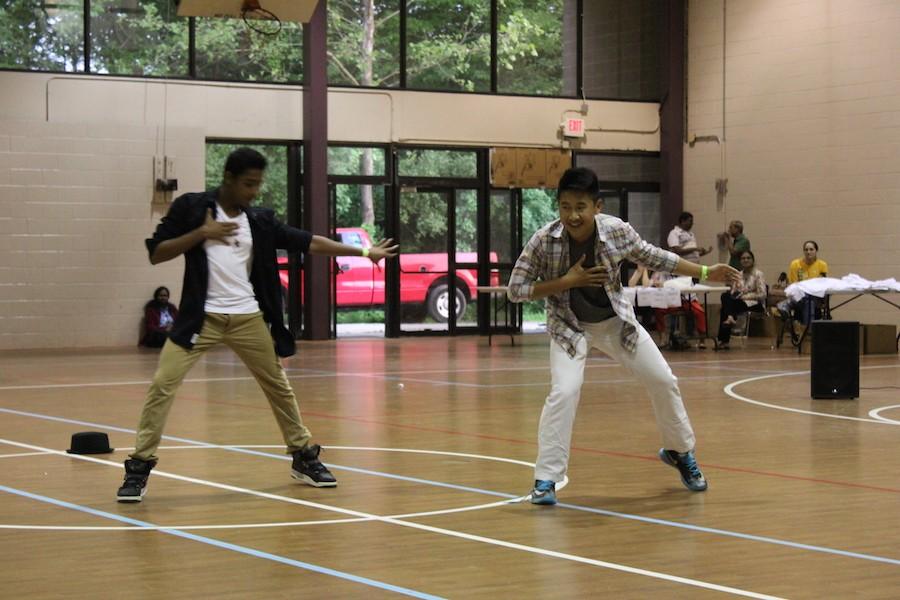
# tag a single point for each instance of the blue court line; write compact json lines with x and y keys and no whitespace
{"x":610,"y":513}
{"x":331,"y":465}
{"x":599,"y":511}
{"x":227,"y":546}
{"x":101,"y":426}
{"x":734,"y":534}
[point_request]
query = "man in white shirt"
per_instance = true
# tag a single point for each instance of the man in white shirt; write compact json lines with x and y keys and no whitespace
{"x":682,"y":242}
{"x":231,"y":295}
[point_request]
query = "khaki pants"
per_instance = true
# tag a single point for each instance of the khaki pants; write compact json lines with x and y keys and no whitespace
{"x":248,"y":336}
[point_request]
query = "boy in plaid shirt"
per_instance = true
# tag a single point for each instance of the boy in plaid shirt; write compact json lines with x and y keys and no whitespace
{"x":573,"y":262}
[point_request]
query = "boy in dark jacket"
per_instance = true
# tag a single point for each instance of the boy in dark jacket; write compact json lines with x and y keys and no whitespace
{"x":231,"y":294}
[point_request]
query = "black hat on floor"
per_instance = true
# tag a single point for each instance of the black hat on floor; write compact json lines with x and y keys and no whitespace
{"x":90,"y":442}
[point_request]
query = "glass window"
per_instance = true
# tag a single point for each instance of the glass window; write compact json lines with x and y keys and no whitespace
{"x":612,"y":203}
{"x":539,"y":207}
{"x":42,"y":36}
{"x":530,"y":47}
{"x":358,"y":284}
{"x":352,"y":239}
{"x":644,"y":210}
{"x":138,"y":37}
{"x":274,"y":189}
{"x":348,"y":160}
{"x":227,"y":49}
{"x":437,"y":163}
{"x":501,"y":218}
{"x":621,"y":49}
{"x":361,"y":205}
{"x":636,"y":168}
{"x":449,"y":45}
{"x":466,"y":219}
{"x":363,"y":43}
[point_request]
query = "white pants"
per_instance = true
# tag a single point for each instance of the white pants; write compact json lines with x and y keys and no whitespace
{"x":646,"y":364}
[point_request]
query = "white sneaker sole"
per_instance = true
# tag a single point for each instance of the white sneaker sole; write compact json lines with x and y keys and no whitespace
{"x":132,"y":499}
{"x":308,"y":480}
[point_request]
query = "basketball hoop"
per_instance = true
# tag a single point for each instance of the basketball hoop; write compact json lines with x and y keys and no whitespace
{"x":269,"y":19}
{"x":258,"y":19}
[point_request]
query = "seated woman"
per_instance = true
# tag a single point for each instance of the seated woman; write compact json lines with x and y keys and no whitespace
{"x":159,"y":315}
{"x":801,"y":269}
{"x":689,"y":305}
{"x":748,"y":295}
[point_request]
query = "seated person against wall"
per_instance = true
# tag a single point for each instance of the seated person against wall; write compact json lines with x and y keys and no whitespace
{"x":747,"y":295}
{"x":689,"y":305}
{"x":776,"y":293}
{"x":801,"y":269}
{"x":781,"y":283}
{"x":159,"y":315}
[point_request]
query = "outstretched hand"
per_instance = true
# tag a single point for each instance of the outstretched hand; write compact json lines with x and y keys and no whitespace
{"x":705,"y":251}
{"x":724,"y":273}
{"x":216,"y":230}
{"x":578,"y":276}
{"x":383,"y":249}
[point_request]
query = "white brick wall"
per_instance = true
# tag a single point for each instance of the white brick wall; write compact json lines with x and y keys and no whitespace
{"x":76,"y":183}
{"x":75,"y":207}
{"x":812,"y":133}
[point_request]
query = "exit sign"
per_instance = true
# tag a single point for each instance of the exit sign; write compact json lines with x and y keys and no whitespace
{"x":573,"y":128}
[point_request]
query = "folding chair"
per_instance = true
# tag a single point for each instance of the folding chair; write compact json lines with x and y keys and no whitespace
{"x":741,"y":328}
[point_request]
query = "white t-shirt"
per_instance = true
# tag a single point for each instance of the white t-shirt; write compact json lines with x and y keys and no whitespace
{"x":686,"y":241}
{"x":229,"y":290}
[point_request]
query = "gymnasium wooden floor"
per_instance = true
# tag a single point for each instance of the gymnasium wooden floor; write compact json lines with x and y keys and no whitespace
{"x":432,"y":442}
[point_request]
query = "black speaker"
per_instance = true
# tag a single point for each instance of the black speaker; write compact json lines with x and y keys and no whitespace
{"x":834,"y":364}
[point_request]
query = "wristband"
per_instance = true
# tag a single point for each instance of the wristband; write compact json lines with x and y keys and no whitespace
{"x":365,"y":252}
{"x":704,"y":272}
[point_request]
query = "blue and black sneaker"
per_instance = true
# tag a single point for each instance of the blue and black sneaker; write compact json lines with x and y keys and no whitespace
{"x":687,"y":466}
{"x":544,"y":492}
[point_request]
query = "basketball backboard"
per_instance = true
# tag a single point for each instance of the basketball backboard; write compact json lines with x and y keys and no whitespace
{"x":299,"y":11}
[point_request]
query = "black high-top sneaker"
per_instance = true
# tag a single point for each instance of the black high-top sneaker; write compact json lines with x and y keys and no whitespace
{"x":307,"y":468}
{"x":135,"y":485}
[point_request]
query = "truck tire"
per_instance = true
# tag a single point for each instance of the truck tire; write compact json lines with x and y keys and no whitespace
{"x":438,"y":303}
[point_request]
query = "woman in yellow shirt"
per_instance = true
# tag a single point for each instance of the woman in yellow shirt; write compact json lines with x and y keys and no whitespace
{"x":809,"y":266}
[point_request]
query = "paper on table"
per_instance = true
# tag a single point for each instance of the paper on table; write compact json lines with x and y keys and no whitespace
{"x":665,"y":297}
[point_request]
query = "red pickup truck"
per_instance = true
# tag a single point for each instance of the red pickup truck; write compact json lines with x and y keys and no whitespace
{"x":423,"y":278}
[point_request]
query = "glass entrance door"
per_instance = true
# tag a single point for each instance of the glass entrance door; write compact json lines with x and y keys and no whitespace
{"x":431,"y":298}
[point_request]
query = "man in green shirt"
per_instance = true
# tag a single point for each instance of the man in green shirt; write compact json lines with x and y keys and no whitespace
{"x":736,"y":243}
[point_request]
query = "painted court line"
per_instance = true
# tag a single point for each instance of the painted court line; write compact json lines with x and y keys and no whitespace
{"x":428,"y":528}
{"x":387,"y":375}
{"x":23,"y":454}
{"x":249,"y":450}
{"x":729,"y":389}
{"x":226,"y":546}
{"x":510,"y":498}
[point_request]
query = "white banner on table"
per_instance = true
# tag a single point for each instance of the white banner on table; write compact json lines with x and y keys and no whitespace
{"x":664,"y":297}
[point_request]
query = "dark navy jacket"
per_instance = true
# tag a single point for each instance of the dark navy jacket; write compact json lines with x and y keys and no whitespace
{"x":188,"y":212}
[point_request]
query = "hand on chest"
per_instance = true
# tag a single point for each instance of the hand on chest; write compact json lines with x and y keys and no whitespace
{"x":240,"y":239}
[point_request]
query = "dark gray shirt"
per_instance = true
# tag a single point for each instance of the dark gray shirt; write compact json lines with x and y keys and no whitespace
{"x":591,"y":303}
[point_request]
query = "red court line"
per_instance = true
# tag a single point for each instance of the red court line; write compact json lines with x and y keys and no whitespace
{"x":496,"y":438}
{"x":653,"y":458}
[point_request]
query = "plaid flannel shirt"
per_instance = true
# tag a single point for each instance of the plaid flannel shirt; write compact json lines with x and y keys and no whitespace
{"x":546,"y":257}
